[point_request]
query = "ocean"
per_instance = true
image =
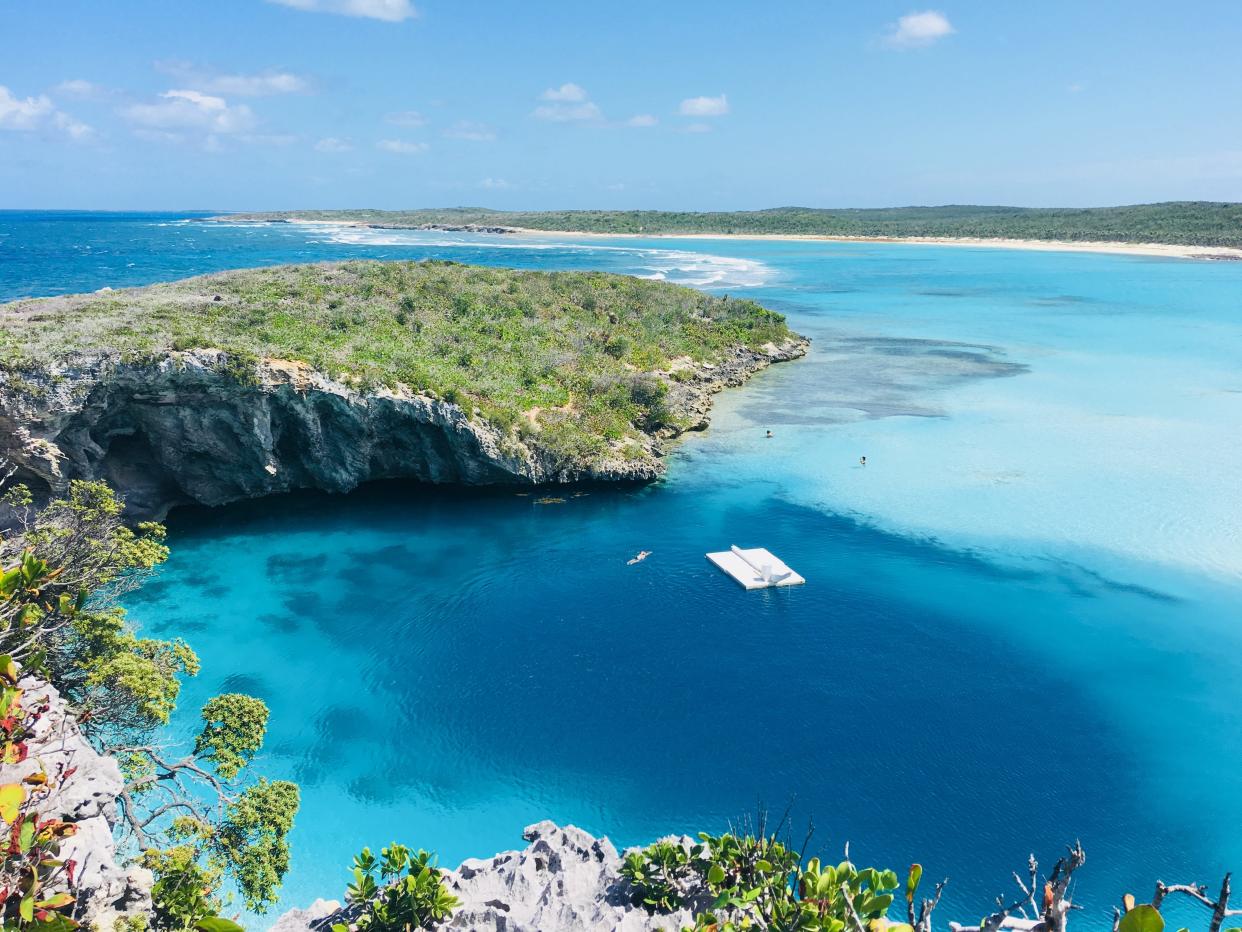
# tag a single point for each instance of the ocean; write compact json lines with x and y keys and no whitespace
{"x":1021,"y":624}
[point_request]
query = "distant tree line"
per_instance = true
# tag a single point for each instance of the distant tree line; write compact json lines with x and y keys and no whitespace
{"x":1186,"y":223}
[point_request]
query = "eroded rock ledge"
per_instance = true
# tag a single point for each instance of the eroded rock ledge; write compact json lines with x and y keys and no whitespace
{"x":564,"y":880}
{"x":186,"y":428}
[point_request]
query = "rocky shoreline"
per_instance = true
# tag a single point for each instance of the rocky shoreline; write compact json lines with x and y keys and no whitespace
{"x":191,"y":427}
{"x":564,"y":880}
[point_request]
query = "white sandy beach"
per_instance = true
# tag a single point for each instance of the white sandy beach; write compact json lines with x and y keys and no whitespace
{"x":1167,"y":250}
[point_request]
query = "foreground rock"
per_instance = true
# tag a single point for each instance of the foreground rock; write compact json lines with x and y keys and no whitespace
{"x":106,"y":890}
{"x":565,"y":880}
{"x":184,"y":428}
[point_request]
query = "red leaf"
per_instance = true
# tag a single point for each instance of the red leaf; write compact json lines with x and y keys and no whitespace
{"x":70,"y":866}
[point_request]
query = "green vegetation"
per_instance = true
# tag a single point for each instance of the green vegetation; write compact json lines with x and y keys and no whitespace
{"x":194,"y":821}
{"x":400,"y":891}
{"x":577,"y":346}
{"x":756,"y":880}
{"x":1185,"y":223}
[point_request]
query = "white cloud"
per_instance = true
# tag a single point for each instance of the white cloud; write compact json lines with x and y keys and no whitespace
{"x":332,"y":144}
{"x":16,"y":113}
{"x":473,"y":132}
{"x":704,"y":106}
{"x":915,"y":30}
{"x":405,"y":118}
{"x":495,"y":184}
{"x":262,"y":84}
{"x":72,"y":126}
{"x":699,"y":128}
{"x":1077,"y":88}
{"x":33,"y":113}
{"x":390,"y":11}
{"x":188,"y":109}
{"x":569,"y":113}
{"x":566,"y":93}
{"x":401,"y":147}
{"x":568,"y":103}
{"x":79,"y":88}
{"x":642,"y":119}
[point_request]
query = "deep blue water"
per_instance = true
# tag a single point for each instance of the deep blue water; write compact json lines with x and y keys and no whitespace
{"x":1021,"y":618}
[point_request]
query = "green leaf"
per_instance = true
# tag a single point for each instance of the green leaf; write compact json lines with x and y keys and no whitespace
{"x":1143,"y":918}
{"x":715,"y":875}
{"x":217,"y":924}
{"x":762,"y":865}
{"x":912,"y":881}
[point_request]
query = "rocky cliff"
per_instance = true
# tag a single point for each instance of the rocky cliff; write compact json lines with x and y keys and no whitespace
{"x":564,"y":880}
{"x":197,"y":427}
{"x":84,"y":788}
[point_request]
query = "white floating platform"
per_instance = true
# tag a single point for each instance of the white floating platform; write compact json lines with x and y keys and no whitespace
{"x":756,"y":568}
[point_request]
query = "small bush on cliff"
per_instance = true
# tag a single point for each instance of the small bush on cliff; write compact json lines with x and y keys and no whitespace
{"x":397,"y":892}
{"x":663,"y":875}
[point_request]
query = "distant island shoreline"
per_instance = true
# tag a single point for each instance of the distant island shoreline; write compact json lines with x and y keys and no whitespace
{"x":1188,"y":230}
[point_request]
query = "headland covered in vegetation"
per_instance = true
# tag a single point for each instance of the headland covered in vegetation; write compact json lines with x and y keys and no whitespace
{"x":244,"y":383}
{"x":1207,"y":224}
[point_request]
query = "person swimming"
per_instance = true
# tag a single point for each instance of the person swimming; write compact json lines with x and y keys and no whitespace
{"x":642,"y":555}
{"x":862,"y":461}
{"x":769,"y":435}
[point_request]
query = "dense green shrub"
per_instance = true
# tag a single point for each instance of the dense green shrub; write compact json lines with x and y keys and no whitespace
{"x":400,"y":891}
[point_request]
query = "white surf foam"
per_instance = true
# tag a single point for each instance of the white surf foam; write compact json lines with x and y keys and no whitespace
{"x":679,"y":266}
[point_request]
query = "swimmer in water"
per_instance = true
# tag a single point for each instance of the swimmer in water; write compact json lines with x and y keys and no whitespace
{"x":769,"y":435}
{"x":862,"y":461}
{"x":642,"y":555}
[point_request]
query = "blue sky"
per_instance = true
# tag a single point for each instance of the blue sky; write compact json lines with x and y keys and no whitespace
{"x":679,"y":104}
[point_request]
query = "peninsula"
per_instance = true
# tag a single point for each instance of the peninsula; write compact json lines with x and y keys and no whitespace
{"x":1201,"y":229}
{"x":240,"y":384}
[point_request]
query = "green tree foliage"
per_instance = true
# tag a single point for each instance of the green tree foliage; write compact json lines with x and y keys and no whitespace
{"x":233,"y":730}
{"x":400,"y":891}
{"x":196,"y":822}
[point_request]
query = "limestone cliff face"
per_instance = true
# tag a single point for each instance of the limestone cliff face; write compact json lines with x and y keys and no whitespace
{"x":193,"y":427}
{"x":565,"y":880}
{"x":105,"y":888}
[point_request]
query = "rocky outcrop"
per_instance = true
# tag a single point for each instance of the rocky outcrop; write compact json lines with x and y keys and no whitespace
{"x":198,"y":427}
{"x":105,"y":889}
{"x":564,"y":880}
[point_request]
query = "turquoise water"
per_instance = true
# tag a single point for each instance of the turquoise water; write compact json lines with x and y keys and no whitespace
{"x":1021,"y":620}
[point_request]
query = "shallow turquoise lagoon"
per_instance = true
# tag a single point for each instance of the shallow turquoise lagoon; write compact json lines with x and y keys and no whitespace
{"x":1021,"y":624}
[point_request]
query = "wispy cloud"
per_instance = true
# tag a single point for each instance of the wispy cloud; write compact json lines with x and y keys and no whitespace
{"x":35,"y":113}
{"x":401,"y":147}
{"x":390,"y":11}
{"x":495,"y":184}
{"x":83,"y":90}
{"x":698,"y":128}
{"x":471,"y":131}
{"x":704,"y":106}
{"x":27,"y":114}
{"x":568,"y":103}
{"x":566,"y":93}
{"x":916,"y":30}
{"x":191,"y":110}
{"x":332,"y":144}
{"x":260,"y":84}
{"x":406,"y":118}
{"x":642,"y":119}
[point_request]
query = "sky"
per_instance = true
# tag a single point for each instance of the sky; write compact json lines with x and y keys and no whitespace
{"x":660,"y":104}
